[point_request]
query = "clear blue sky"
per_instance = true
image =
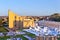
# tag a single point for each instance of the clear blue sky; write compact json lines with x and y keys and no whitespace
{"x":30,"y":7}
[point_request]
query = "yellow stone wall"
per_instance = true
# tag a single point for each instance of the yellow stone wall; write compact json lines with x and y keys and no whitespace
{"x":26,"y":23}
{"x":12,"y":18}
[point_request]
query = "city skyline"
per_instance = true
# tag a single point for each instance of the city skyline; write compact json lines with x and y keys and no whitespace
{"x":30,"y":7}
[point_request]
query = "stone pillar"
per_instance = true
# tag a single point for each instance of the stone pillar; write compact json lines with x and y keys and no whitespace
{"x":52,"y":37}
{"x":47,"y":37}
{"x":55,"y":38}
{"x":39,"y":38}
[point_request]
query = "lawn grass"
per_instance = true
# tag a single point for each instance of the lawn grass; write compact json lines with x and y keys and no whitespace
{"x":4,"y":37}
{"x":17,"y":36}
{"x":2,"y":29}
{"x":21,"y":36}
{"x":30,"y":34}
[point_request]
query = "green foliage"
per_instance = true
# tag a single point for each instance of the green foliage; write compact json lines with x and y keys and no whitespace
{"x":4,"y":37}
{"x":58,"y":38}
{"x":17,"y":36}
{"x":55,"y":14}
{"x":21,"y":36}
{"x":0,"y":22}
{"x":55,"y":17}
{"x":2,"y":29}
{"x":30,"y":34}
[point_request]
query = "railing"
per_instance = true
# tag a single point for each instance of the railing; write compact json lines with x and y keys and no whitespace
{"x":48,"y":38}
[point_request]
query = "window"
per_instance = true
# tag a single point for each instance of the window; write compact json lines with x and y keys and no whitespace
{"x":15,"y":17}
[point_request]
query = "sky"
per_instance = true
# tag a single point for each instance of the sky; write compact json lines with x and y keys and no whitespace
{"x":30,"y":7}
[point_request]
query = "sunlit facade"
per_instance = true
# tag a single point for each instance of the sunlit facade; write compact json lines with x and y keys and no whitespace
{"x":14,"y":20}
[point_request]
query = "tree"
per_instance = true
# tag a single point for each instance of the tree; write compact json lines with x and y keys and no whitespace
{"x":55,"y":17}
{"x":55,"y":14}
{"x":0,"y":22}
{"x":5,"y":24}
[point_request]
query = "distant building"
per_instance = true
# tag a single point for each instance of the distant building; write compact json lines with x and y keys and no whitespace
{"x":49,"y":23}
{"x":16,"y":21}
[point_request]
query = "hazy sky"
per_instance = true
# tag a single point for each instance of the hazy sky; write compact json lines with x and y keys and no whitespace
{"x":30,"y":7}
